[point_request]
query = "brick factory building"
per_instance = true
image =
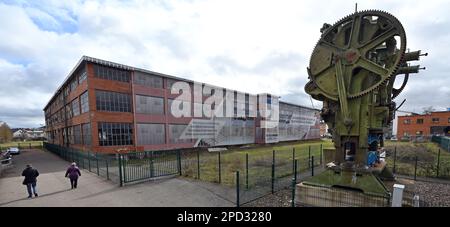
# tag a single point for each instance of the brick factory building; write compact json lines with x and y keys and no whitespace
{"x":108,"y":107}
{"x":423,"y":125}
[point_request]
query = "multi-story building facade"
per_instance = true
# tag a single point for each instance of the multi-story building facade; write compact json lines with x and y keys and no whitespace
{"x":423,"y":125}
{"x":108,"y":107}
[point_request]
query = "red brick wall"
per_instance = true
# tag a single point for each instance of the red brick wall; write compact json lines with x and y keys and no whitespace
{"x":413,"y":127}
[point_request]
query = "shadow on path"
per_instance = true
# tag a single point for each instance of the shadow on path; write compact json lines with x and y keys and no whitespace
{"x":40,"y":196}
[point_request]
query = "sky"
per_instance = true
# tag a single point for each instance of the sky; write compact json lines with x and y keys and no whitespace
{"x":250,"y":46}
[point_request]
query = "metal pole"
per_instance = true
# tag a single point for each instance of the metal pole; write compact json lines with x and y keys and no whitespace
{"x":312,"y":166}
{"x":237,"y":188}
{"x":415,"y":170}
{"x":120,"y":170}
{"x":246,"y":170}
{"x":273,"y":178}
{"x":293,"y":159}
{"x":96,"y":159}
{"x":309,"y":156}
{"x":220,"y":172}
{"x":438,"y":162}
{"x":198,"y":164}
{"x":295,"y":170}
{"x":273,"y":156}
{"x":152,"y":165}
{"x":395,"y":158}
{"x":293,"y":192}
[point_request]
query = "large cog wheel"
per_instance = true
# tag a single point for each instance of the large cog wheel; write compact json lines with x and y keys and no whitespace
{"x":361,"y":46}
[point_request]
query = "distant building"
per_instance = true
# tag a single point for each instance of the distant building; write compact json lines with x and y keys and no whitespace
{"x":29,"y":134}
{"x":423,"y":125}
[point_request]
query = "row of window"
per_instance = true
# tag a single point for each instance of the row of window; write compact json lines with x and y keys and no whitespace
{"x":421,"y":120}
{"x":115,"y":134}
{"x":113,"y":101}
{"x":109,"y":73}
{"x":78,"y":134}
{"x":154,"y":134}
{"x":78,"y":106}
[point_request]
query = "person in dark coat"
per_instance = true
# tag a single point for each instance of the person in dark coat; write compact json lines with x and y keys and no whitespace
{"x":30,"y":180}
{"x":73,"y":173}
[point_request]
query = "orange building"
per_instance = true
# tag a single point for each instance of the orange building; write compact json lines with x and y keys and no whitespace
{"x":423,"y":125}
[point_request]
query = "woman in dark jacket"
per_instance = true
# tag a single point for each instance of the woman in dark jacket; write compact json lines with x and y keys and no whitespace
{"x":73,"y":172}
{"x":30,"y":175}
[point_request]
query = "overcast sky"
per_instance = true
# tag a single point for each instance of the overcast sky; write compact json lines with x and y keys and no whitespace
{"x":251,"y":46}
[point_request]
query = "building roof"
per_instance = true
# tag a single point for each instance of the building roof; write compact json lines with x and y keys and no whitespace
{"x":131,"y":68}
{"x":427,"y":114}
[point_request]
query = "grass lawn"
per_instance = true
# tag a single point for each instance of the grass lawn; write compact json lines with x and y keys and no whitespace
{"x":259,"y":161}
{"x":22,"y":144}
{"x":427,"y":155}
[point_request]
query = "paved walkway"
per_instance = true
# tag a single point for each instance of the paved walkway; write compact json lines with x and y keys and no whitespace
{"x":54,"y":188}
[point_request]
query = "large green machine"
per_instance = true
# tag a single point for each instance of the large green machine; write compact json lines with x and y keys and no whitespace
{"x":352,"y":71}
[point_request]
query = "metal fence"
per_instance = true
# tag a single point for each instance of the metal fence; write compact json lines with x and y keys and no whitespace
{"x":101,"y":164}
{"x":426,"y":163}
{"x":442,"y":141}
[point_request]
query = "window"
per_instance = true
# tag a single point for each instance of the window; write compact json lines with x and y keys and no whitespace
{"x":75,"y":107}
{"x":449,"y":120}
{"x":405,"y":134}
{"x":180,"y":107}
{"x":115,"y":134}
{"x":170,"y":82}
{"x":419,"y":133}
{"x":148,"y":80}
{"x":68,"y":111}
{"x":151,"y":134}
{"x":109,"y":73}
{"x":149,"y":105}
{"x":419,"y":121}
{"x":70,"y":135}
{"x":74,"y":83}
{"x":435,"y":120}
{"x":407,"y":121}
{"x":176,"y":134}
{"x":77,"y":134}
{"x":113,"y":101}
{"x":83,"y":77}
{"x":84,"y":100}
{"x":87,"y":134}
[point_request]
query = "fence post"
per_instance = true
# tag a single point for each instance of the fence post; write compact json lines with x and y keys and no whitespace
{"x":120,"y":170}
{"x":293,"y":159}
{"x":438,"y":162}
{"x":309,"y":156}
{"x":273,"y":156}
{"x":293,"y":192}
{"x":312,"y":165}
{"x":273,"y":178}
{"x":89,"y":161}
{"x":107,"y":169}
{"x":152,"y":166}
{"x":198,"y":164}
{"x":295,"y":170}
{"x":179,"y":162}
{"x":246,"y":170}
{"x":415,"y":169}
{"x":96,"y":159}
{"x":220,"y":172}
{"x":237,"y":188}
{"x":30,"y":145}
{"x":395,"y":158}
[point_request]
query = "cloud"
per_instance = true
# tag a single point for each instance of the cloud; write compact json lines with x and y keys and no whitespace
{"x":251,"y":46}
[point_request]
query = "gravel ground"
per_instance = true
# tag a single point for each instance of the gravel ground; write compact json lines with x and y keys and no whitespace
{"x":435,"y":194}
{"x":278,"y":199}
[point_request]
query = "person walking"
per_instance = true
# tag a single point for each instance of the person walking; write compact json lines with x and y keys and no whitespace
{"x":73,"y":172}
{"x":30,"y":180}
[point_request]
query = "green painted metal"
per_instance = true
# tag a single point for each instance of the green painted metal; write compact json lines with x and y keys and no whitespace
{"x":237,"y":189}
